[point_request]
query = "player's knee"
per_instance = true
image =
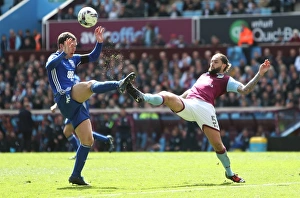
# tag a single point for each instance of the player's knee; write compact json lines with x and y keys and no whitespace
{"x":91,"y":142}
{"x":90,"y":83}
{"x":166,"y":95}
{"x":88,"y":142}
{"x":67,"y":132}
{"x":219,"y":147}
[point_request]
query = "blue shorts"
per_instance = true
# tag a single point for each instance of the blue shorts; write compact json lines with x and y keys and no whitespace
{"x":85,"y":104}
{"x":72,"y":110}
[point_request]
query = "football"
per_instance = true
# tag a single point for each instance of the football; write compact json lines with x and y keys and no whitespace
{"x":87,"y":17}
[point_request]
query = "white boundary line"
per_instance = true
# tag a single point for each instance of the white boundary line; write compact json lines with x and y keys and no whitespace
{"x":183,"y":189}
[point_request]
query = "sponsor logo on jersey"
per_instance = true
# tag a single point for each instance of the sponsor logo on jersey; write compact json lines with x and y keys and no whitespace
{"x":68,"y":98}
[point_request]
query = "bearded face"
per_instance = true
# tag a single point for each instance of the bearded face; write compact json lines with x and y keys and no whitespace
{"x":215,"y":65}
{"x":214,"y":70}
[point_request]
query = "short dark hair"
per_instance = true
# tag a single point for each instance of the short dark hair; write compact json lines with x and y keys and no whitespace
{"x":63,"y":37}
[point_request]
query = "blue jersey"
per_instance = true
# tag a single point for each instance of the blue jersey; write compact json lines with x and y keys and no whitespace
{"x":61,"y":71}
{"x":61,"y":76}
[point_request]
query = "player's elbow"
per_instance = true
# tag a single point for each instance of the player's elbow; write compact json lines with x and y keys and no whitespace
{"x":244,"y":91}
{"x":93,"y":57}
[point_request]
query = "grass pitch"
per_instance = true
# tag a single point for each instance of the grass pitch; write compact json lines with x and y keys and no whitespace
{"x":149,"y":174}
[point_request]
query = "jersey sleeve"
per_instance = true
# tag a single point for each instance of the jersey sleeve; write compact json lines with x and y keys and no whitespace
{"x":54,"y":60}
{"x":232,"y":85}
{"x":93,"y":56}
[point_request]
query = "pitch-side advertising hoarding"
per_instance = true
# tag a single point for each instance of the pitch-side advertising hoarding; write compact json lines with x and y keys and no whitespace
{"x":119,"y":30}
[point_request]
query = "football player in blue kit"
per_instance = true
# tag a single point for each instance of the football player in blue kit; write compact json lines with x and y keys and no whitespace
{"x":70,"y":97}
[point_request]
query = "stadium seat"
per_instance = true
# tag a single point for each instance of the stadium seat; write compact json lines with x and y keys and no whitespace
{"x":188,"y":13}
{"x":235,"y":55}
{"x":94,"y":1}
{"x":255,"y":49}
{"x":5,"y":8}
{"x":235,"y":116}
{"x":77,"y":8}
{"x":223,"y":116}
{"x":265,"y":11}
{"x":198,"y":13}
{"x":179,"y":5}
{"x":211,"y":4}
{"x":7,"y":5}
{"x":9,"y":2}
{"x":264,"y":115}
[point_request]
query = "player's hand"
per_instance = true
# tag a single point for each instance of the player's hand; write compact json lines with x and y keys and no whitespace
{"x":264,"y":67}
{"x":53,"y":108}
{"x":99,"y":34}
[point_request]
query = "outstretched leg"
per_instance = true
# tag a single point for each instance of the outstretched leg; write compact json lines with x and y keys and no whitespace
{"x":167,"y":98}
{"x":215,"y":140}
{"x":82,"y":91}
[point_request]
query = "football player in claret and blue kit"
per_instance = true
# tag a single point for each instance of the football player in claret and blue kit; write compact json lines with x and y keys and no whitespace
{"x":197,"y":103}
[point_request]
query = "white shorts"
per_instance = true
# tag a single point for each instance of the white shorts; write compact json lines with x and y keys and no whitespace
{"x":199,"y":111}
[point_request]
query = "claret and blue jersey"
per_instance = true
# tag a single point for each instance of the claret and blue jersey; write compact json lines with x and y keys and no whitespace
{"x":208,"y":87}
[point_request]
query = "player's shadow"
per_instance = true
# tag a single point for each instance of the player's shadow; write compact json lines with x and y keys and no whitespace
{"x":203,"y":184}
{"x":192,"y":185}
{"x":110,"y":189}
{"x":76,"y":187}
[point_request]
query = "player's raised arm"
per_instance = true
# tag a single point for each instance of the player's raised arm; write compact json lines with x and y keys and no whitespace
{"x":94,"y":55}
{"x":99,"y":34}
{"x":264,"y":67}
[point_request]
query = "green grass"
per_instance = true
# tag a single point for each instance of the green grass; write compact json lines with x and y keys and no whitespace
{"x":190,"y":174}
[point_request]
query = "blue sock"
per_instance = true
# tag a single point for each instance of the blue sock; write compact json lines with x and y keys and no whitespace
{"x":81,"y":156}
{"x":103,"y":87}
{"x":225,"y":161}
{"x":74,"y":141}
{"x":154,"y":99}
{"x":100,"y":137}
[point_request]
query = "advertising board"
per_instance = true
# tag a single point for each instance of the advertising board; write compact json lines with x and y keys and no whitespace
{"x":266,"y":29}
{"x":119,"y":30}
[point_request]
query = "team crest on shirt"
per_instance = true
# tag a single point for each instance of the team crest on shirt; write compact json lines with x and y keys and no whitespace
{"x":70,"y":75}
{"x":72,"y":63}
